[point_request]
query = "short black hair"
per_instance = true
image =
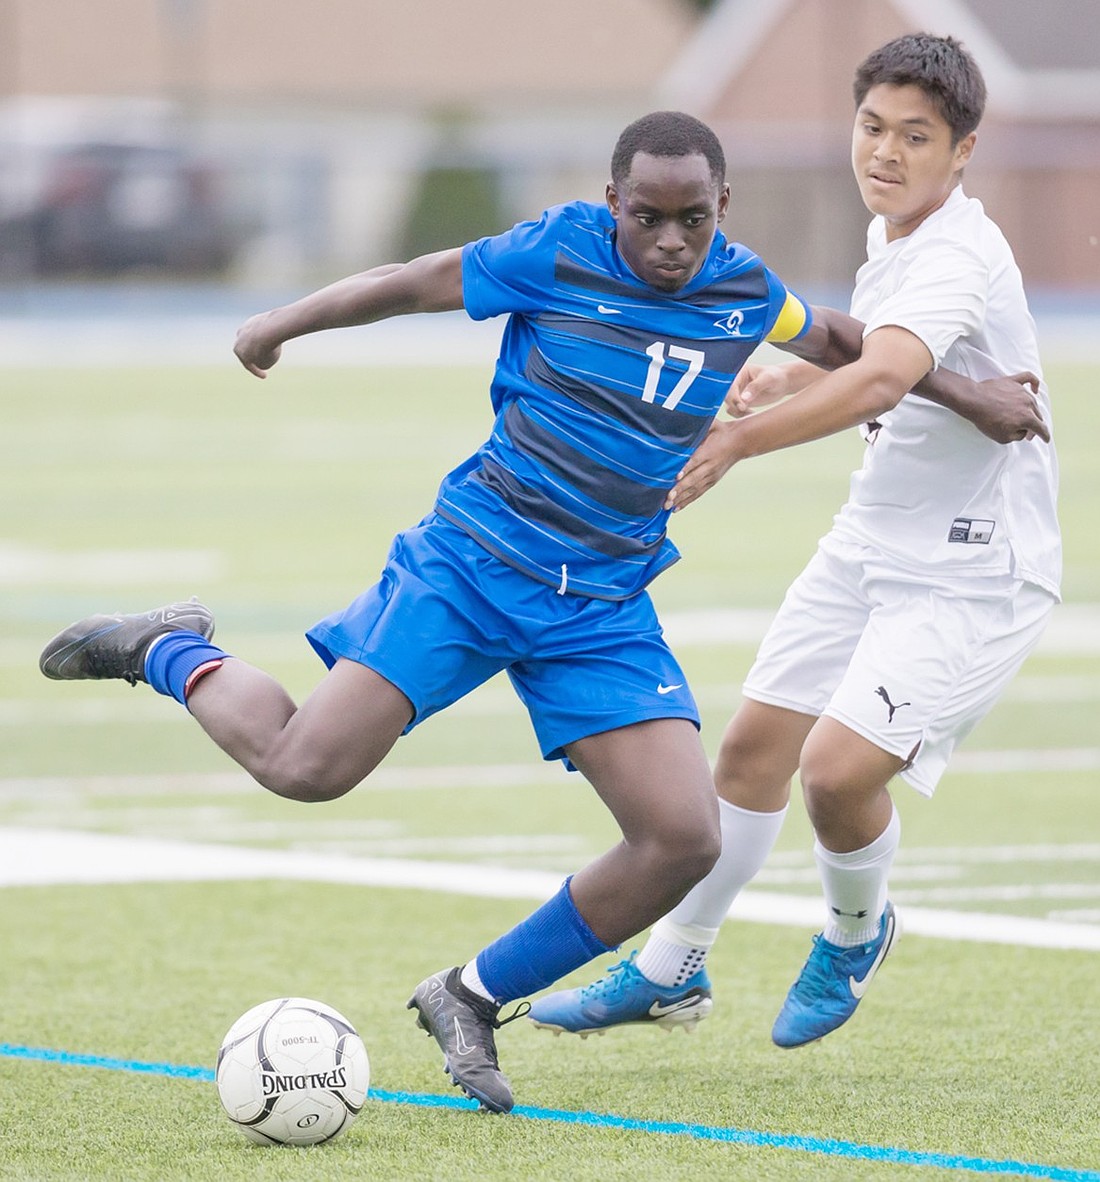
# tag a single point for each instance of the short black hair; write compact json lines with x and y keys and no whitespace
{"x":667,"y":133}
{"x":940,"y":66}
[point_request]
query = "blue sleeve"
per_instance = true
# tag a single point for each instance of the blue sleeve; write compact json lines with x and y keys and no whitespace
{"x":513,"y":271}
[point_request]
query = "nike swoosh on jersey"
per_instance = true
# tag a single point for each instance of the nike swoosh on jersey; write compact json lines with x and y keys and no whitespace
{"x":606,"y":311}
{"x":659,"y":1009}
{"x":667,"y":689}
{"x":859,"y":988}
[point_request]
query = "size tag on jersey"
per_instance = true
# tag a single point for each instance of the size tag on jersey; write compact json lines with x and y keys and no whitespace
{"x":971,"y":531}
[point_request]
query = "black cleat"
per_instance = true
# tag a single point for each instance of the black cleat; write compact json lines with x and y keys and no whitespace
{"x":115,"y":646}
{"x":463,"y":1024}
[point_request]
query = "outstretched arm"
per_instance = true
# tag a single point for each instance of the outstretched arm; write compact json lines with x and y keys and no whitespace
{"x":832,"y":340}
{"x":1005,"y":409}
{"x":431,"y":283}
{"x":893,"y":359}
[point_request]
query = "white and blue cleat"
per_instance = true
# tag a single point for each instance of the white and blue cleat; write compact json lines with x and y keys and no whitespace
{"x":623,"y":996}
{"x":832,"y":983}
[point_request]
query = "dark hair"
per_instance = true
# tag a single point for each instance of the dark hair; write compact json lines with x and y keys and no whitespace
{"x":939,"y":66}
{"x":667,"y":133}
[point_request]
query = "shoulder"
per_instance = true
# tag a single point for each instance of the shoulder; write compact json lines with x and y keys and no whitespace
{"x":577,"y":217}
{"x":737,"y":271}
{"x":583,"y":213}
{"x":551,"y":226}
{"x":958,"y":239}
{"x":514,"y":271}
{"x":583,"y":228}
{"x":961,"y":223}
{"x":727,"y":255}
{"x":734,"y":269}
{"x":977,"y":227}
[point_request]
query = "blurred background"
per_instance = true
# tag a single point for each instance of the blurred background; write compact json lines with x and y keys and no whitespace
{"x":210,"y":157}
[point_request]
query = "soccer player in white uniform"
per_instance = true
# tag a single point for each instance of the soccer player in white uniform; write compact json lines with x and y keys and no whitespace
{"x":921,"y":603}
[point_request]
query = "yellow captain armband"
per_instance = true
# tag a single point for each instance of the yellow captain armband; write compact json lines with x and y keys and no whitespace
{"x":791,"y":320}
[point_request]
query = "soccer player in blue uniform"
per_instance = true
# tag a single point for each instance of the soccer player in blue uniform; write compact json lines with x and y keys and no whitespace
{"x":627,"y":325}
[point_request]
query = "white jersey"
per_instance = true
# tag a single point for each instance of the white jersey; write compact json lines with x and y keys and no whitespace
{"x":935,"y":495}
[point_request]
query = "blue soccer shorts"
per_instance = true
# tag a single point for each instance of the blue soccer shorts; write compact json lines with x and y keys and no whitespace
{"x":447,"y":615}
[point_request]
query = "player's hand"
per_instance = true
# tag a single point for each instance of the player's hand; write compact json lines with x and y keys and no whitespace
{"x":1010,"y":410}
{"x":756,"y":385}
{"x":255,"y":348}
{"x":714,"y":457}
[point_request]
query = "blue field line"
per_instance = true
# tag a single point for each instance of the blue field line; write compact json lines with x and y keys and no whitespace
{"x":823,"y":1146}
{"x":66,"y":1058}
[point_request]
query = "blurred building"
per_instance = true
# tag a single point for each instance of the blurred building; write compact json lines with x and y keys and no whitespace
{"x":339,"y":132}
{"x":278,"y":142}
{"x":774,"y":78}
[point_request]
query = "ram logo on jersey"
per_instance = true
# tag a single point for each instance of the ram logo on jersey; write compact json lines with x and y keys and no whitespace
{"x":732,"y":323}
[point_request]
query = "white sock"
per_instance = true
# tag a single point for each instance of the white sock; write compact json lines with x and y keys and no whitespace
{"x":678,"y":945}
{"x":674,"y":952}
{"x":855,"y":886}
{"x":471,"y":978}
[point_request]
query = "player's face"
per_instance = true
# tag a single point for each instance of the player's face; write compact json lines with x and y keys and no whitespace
{"x":666,"y":212}
{"x":903,"y":158}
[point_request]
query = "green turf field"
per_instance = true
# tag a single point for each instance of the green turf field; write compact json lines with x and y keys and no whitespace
{"x":275,"y":503}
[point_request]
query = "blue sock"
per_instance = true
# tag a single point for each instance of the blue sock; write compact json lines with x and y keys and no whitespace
{"x":174,"y":657}
{"x":552,"y":941}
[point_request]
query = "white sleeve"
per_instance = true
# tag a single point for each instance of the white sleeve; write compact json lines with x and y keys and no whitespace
{"x":941,"y":297}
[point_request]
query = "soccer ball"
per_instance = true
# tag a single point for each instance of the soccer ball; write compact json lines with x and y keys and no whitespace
{"x":292,"y":1072}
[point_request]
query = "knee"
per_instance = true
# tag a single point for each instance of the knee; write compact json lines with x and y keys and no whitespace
{"x":751,"y":768}
{"x":304,"y":780}
{"x":825,"y":788}
{"x":708,"y":847}
{"x":738,"y":756}
{"x":689,"y":850}
{"x":705,"y":856}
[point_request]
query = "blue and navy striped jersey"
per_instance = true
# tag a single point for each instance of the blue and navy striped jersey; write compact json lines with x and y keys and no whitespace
{"x":603,"y":389}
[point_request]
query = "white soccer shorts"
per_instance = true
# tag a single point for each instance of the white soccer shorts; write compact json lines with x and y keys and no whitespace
{"x":907,"y":665}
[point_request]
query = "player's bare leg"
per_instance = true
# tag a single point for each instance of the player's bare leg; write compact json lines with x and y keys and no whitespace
{"x":667,"y":984}
{"x":655,"y":779}
{"x":316,"y":751}
{"x":844,"y":782}
{"x":759,"y":755}
{"x":757,"y":758}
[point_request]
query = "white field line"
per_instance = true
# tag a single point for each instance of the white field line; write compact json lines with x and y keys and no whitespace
{"x":364,"y":837}
{"x":28,"y":566}
{"x":384,"y":779}
{"x":971,"y":855}
{"x":463,"y":777}
{"x":1023,"y":892}
{"x":1074,"y":628}
{"x":40,"y":857}
{"x":1041,"y":759}
{"x":125,"y":709}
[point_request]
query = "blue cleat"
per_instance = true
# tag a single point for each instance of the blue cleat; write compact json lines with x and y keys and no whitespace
{"x":621,"y":996}
{"x":832,"y":983}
